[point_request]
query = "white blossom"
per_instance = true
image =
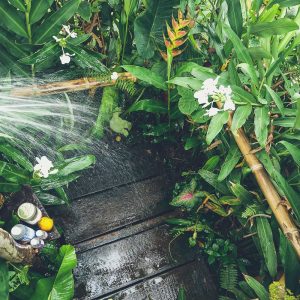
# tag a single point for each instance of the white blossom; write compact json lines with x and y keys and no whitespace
{"x":114,"y":76}
{"x":65,"y":58}
{"x":212,"y":111}
{"x":210,"y":86}
{"x":202,"y":97}
{"x":43,"y":167}
{"x":229,"y":104}
{"x":226,"y":91}
{"x":72,"y":34}
{"x":56,"y":39}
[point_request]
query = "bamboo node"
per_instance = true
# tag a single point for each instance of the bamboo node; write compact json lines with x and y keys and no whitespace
{"x":257,"y":167}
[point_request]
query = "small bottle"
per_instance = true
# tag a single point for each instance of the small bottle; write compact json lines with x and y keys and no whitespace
{"x":22,"y":233}
{"x":41,"y":234}
{"x":37,"y":243}
{"x":29,"y":213}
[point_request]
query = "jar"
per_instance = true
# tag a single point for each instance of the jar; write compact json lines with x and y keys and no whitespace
{"x":29,"y":213}
{"x":41,"y":234}
{"x":22,"y":233}
{"x":37,"y":243}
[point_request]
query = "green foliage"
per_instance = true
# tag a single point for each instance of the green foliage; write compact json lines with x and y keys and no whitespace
{"x":228,"y":277}
{"x":4,"y":287}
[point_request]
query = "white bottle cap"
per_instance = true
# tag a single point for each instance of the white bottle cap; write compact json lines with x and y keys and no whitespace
{"x":26,"y":211}
{"x":18,"y":231}
{"x":36,"y":242}
{"x":41,"y":234}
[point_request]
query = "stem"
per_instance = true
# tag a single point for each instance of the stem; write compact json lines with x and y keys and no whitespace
{"x":273,"y":198}
{"x":28,"y":26}
{"x":169,"y":70}
{"x":125,"y":39}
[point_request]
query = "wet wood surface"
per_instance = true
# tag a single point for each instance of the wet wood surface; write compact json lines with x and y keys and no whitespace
{"x":124,"y":247}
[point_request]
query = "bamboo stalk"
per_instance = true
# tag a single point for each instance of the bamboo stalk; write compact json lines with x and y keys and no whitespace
{"x":66,"y":86}
{"x":280,"y":211}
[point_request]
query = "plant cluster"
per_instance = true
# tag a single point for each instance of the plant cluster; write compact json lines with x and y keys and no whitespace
{"x":209,"y":73}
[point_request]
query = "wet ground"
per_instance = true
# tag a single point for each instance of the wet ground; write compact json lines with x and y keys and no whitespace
{"x":117,"y":223}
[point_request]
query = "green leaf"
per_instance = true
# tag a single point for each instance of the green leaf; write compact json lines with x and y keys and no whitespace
{"x":108,"y":105}
{"x":18,"y":4}
{"x":85,"y":10}
{"x":235,"y":16}
{"x":297,"y":120}
{"x":212,"y":179}
{"x":216,"y":125}
{"x":147,"y":76}
{"x":16,"y":155}
{"x":118,"y":125}
{"x":77,"y":164}
{"x":277,"y":27}
{"x":148,"y":27}
{"x":259,"y":53}
{"x":12,"y":19}
{"x":243,"y":195}
{"x":188,"y":197}
{"x":60,"y":287}
{"x":56,"y":182}
{"x":39,"y":9}
{"x":267,"y":244}
{"x":149,"y":105}
{"x":212,"y":163}
{"x":49,"y":50}
{"x":240,"y":117}
{"x":286,"y":3}
{"x":181,"y":294}
{"x":261,"y":123}
{"x":187,"y":82}
{"x":9,"y":187}
{"x":52,"y":25}
{"x":276,"y":99}
{"x":48,"y":199}
{"x":187,"y":103}
{"x":241,"y":51}
{"x":85,"y":59}
{"x":9,"y":44}
{"x":293,"y":150}
{"x":240,"y":95}
{"x":257,"y":287}
{"x":231,"y":160}
{"x":4,"y":280}
{"x":13,"y":173}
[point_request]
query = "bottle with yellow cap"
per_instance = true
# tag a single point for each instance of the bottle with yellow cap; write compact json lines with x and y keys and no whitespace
{"x":46,"y":224}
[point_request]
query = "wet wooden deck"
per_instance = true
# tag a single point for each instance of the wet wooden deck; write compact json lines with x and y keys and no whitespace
{"x":117,"y":223}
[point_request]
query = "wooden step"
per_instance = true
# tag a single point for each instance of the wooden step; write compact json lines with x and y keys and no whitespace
{"x":115,"y":165}
{"x":192,"y":277}
{"x":126,"y":262}
{"x":115,"y":208}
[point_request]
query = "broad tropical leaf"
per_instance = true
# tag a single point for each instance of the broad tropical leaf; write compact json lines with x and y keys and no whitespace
{"x":235,"y":16}
{"x":148,"y":27}
{"x":261,"y":123}
{"x":12,"y":19}
{"x":216,"y":125}
{"x":149,"y":105}
{"x":240,"y":117}
{"x":39,"y":9}
{"x":257,"y":287}
{"x":52,"y":25}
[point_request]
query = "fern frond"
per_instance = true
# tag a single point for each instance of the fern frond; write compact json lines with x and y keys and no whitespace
{"x":228,"y":277}
{"x":126,"y":86}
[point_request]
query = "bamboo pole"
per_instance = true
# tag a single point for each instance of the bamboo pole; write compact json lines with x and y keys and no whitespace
{"x":66,"y":86}
{"x":280,"y":211}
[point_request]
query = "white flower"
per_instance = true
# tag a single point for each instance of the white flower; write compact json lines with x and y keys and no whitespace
{"x":226,"y":91}
{"x":44,"y":166}
{"x":210,"y":86}
{"x":229,"y":104}
{"x":68,"y":31}
{"x":212,"y":111}
{"x":114,"y":76}
{"x":56,"y":38}
{"x":202,"y":98}
{"x":65,"y":58}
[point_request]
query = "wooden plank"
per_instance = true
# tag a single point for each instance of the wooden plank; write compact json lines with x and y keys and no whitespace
{"x":113,"y":266}
{"x":115,"y":165}
{"x":193,"y":277}
{"x":104,"y":212}
{"x":124,"y":232}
